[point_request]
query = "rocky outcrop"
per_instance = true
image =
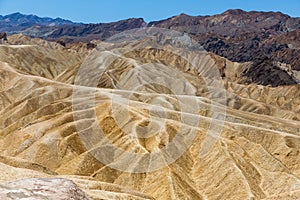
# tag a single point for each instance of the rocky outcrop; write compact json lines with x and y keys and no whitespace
{"x":46,"y":188}
{"x":3,"y":38}
{"x":265,"y":72}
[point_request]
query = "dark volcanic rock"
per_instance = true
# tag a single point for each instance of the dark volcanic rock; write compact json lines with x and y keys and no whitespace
{"x":249,"y":50}
{"x":3,"y":36}
{"x":91,"y":45}
{"x":61,"y":42}
{"x":264,"y":72}
{"x":230,"y":23}
{"x":246,"y":36}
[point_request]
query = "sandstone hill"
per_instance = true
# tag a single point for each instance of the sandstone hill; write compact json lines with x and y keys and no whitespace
{"x":146,"y":119}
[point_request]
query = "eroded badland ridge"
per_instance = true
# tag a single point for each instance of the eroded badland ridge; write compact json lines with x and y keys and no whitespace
{"x":103,"y":117}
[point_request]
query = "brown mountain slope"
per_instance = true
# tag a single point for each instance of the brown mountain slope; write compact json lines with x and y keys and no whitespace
{"x":245,"y":36}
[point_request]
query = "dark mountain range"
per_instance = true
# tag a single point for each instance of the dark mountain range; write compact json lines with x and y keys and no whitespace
{"x":17,"y":22}
{"x":232,"y":22}
{"x":243,"y":36}
{"x":266,"y":39}
{"x":53,"y":29}
{"x":87,"y":32}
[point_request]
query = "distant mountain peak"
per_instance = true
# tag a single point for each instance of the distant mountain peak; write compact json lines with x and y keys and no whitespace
{"x":15,"y":13}
{"x":184,"y":15}
{"x":16,"y":22}
{"x":234,"y":12}
{"x":240,"y":12}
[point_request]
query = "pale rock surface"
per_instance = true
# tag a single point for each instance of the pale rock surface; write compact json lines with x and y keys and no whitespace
{"x":94,"y":189}
{"x":35,"y":189}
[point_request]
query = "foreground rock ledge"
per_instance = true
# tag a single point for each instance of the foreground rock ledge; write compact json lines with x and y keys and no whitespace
{"x":41,"y":188}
